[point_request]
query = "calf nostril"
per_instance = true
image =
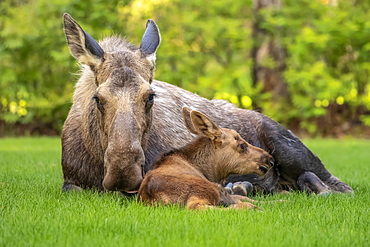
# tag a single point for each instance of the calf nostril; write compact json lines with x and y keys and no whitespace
{"x":271,"y":162}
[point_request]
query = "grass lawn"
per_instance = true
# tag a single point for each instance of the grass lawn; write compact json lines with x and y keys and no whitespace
{"x":34,"y":211}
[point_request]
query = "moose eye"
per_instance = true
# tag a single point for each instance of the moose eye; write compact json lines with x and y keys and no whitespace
{"x":96,"y":98}
{"x":151,"y":98}
{"x":149,"y":102}
{"x":98,"y":102}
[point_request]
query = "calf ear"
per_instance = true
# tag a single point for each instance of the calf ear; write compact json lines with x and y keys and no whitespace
{"x":81,"y":45}
{"x":151,"y":40}
{"x":204,"y":126}
{"x":187,"y":120}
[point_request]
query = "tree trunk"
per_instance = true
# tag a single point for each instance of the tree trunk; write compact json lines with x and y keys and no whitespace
{"x":268,"y":55}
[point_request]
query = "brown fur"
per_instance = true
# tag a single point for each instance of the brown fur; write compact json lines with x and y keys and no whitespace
{"x":101,"y":118}
{"x":114,"y":132}
{"x":189,"y":175}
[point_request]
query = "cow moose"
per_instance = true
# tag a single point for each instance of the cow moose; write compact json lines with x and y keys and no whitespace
{"x":122,"y":120}
{"x":190,"y":176}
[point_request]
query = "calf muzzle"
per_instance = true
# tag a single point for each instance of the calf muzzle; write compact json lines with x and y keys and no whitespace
{"x":267,"y":161}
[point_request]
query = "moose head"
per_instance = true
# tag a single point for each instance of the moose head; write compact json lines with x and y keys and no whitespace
{"x":115,"y":98}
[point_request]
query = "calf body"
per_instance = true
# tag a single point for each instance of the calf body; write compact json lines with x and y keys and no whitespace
{"x":292,"y":158}
{"x":190,"y":175}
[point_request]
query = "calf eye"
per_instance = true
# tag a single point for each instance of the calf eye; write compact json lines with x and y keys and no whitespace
{"x":243,"y":147}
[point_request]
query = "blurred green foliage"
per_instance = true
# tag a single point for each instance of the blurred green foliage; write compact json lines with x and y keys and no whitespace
{"x":206,"y":48}
{"x":328,"y":58}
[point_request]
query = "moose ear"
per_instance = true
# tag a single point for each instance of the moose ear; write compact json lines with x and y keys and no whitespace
{"x":81,"y":45}
{"x":204,"y":126}
{"x":187,"y":119}
{"x":151,"y":40}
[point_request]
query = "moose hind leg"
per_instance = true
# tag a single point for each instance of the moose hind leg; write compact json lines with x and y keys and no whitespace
{"x":310,"y":183}
{"x":338,"y":186}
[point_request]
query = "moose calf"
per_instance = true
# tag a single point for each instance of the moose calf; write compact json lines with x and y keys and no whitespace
{"x":190,"y":175}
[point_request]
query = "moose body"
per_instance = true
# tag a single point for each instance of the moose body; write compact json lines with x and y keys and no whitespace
{"x":122,"y":120}
{"x":190,"y":175}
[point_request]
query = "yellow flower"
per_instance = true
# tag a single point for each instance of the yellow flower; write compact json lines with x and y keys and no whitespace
{"x":13,"y":107}
{"x":22,"y":103}
{"x":340,"y":100}
{"x":22,"y":111}
{"x":4,"y":102}
{"x":247,"y":101}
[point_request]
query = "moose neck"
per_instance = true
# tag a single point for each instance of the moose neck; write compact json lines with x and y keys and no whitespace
{"x":201,"y":154}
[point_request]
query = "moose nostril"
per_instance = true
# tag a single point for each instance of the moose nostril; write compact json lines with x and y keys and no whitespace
{"x":142,"y":170}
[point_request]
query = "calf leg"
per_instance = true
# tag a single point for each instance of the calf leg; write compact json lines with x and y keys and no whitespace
{"x":242,"y":188}
{"x":233,"y":201}
{"x":195,"y":202}
{"x":239,"y":198}
{"x":310,"y":183}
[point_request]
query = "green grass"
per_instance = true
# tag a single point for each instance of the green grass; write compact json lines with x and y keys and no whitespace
{"x":34,"y":211}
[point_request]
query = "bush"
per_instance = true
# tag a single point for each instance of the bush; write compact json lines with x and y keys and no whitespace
{"x":206,"y":48}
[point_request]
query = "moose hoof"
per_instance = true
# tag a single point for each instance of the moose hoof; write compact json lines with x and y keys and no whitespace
{"x":127,"y":195}
{"x":242,"y":188}
{"x":70,"y":187}
{"x":325,"y":193}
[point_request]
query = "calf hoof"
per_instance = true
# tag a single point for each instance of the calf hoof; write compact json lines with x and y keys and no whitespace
{"x":242,"y":188}
{"x":245,"y":205}
{"x":229,"y":188}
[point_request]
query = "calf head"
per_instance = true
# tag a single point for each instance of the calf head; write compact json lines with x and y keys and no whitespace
{"x":117,"y":103}
{"x":232,"y":155}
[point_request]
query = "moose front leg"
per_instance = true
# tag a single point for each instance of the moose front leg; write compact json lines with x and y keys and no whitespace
{"x":310,"y":183}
